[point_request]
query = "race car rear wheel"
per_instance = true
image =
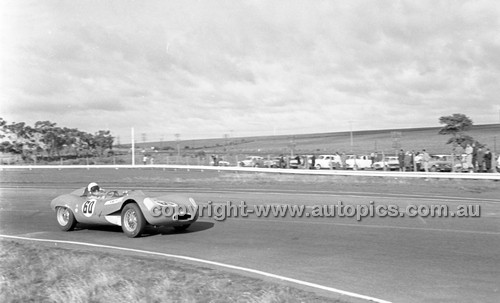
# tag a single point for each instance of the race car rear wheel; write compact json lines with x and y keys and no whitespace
{"x":65,"y":218}
{"x":133,"y":222}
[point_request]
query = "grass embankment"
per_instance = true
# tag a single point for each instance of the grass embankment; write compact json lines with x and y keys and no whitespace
{"x":39,"y":273}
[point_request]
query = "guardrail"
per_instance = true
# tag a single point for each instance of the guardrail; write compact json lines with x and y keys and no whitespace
{"x":361,"y":173}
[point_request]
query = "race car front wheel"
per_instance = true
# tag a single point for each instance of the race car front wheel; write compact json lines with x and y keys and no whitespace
{"x":65,"y":218}
{"x":133,"y":222}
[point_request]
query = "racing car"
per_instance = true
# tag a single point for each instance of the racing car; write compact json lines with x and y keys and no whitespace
{"x":131,"y":209}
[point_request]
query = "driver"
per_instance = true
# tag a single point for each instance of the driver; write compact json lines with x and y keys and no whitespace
{"x":94,"y":189}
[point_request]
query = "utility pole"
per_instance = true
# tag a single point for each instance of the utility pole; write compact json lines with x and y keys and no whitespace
{"x":292,"y":146}
{"x":352,"y":141}
{"x":133,"y":147}
{"x":177,"y":138}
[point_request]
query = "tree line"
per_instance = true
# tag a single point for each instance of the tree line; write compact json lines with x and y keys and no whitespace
{"x":46,"y":139}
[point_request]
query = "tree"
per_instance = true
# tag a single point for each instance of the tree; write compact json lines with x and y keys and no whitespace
{"x":457,"y":125}
{"x":46,"y":136}
{"x":19,"y":138}
{"x":48,"y":133}
{"x":103,"y":141}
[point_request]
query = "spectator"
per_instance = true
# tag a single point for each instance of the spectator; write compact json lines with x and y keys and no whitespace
{"x":487,"y":160}
{"x":468,"y":158}
{"x":480,"y":159}
{"x":373,"y":156}
{"x":282,"y":162}
{"x":474,"y":157}
{"x":313,"y":162}
{"x":418,"y":161}
{"x":425,"y":160}
{"x":343,"y":159}
{"x":408,"y":161}
{"x":337,"y":160}
{"x":145,"y":160}
{"x":413,"y":166}
{"x":401,"y":160}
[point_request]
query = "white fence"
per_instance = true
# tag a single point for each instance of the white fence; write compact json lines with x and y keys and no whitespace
{"x":194,"y":168}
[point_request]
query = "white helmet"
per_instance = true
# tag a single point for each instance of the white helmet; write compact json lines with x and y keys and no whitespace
{"x":92,"y":187}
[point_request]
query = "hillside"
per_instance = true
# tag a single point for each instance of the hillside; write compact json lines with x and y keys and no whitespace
{"x":363,"y":142}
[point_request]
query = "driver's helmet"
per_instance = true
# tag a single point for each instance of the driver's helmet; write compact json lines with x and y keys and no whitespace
{"x":93,"y":187}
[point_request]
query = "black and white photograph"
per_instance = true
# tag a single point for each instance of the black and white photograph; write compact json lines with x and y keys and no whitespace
{"x":250,"y":151}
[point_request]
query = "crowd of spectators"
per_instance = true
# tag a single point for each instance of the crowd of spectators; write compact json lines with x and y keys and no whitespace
{"x":474,"y":159}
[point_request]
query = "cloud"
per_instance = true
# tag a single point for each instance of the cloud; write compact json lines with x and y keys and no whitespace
{"x":202,"y":68}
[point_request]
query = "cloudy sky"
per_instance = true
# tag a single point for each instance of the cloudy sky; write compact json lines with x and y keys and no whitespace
{"x":203,"y":69}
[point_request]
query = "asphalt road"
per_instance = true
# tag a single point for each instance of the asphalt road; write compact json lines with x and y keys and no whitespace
{"x":397,"y":259}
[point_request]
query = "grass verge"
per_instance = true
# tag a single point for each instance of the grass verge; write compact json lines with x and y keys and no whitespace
{"x":38,"y":273}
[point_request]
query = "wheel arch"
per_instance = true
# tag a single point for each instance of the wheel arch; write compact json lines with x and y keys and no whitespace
{"x":145,"y":211}
{"x":128,"y":201}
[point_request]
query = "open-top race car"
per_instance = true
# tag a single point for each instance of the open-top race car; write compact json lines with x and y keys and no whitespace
{"x":132,"y":210}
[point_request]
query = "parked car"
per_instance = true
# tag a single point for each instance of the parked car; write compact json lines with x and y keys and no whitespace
{"x":444,"y":163}
{"x":358,"y":162}
{"x":272,"y":162}
{"x":294,"y":163}
{"x":220,"y":163}
{"x":390,"y":163}
{"x":327,"y":161}
{"x":299,"y":160}
{"x":252,"y":161}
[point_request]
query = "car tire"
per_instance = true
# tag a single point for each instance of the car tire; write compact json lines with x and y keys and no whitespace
{"x":318,"y":166}
{"x":182,"y":227}
{"x":433,"y":169}
{"x":65,"y":218}
{"x":133,"y":221}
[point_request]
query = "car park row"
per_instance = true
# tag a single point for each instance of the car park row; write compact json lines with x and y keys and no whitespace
{"x":436,"y":163}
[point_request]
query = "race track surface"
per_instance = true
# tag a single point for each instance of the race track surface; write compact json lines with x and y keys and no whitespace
{"x":396,"y":259}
